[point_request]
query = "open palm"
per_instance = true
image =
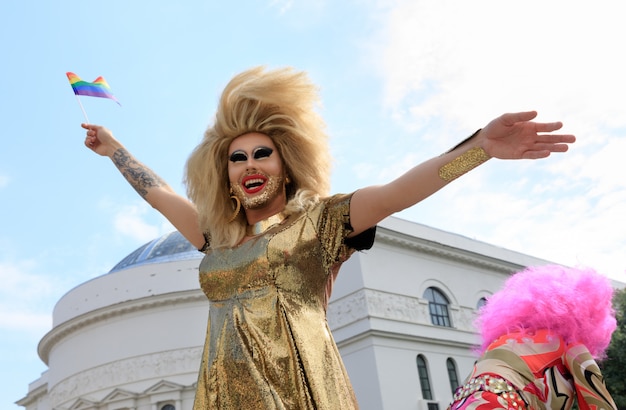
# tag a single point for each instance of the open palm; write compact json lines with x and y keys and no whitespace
{"x":515,"y":136}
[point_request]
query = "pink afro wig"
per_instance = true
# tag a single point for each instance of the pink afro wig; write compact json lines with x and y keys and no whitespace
{"x":573,"y":303}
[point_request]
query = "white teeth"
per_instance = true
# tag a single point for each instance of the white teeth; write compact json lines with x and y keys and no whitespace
{"x":253,"y":182}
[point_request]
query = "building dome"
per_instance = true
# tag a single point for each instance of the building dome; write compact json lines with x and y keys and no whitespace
{"x":131,"y":336}
{"x":169,"y":247}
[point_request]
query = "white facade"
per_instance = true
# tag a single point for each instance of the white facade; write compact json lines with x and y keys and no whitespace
{"x":132,"y":339}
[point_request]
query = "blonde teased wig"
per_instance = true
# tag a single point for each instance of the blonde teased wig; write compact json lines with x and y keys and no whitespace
{"x":279,"y":103}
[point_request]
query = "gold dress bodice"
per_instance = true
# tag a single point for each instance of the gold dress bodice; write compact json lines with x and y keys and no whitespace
{"x":268,"y":344}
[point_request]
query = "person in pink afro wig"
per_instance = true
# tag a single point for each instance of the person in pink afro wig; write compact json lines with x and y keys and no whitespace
{"x":541,"y":335}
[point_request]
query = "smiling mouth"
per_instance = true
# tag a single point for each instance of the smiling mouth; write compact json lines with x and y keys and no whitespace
{"x":253,"y":183}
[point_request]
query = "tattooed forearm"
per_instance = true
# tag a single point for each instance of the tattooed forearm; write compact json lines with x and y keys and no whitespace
{"x":138,"y":175}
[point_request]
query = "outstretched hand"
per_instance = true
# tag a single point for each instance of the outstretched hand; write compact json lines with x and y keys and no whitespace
{"x":100,"y":140}
{"x":515,"y":136}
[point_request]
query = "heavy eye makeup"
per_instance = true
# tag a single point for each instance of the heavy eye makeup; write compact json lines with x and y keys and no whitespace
{"x":258,"y":153}
{"x":262,"y":152}
{"x":238,"y":156}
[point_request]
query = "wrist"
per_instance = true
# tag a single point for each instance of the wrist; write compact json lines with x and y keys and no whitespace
{"x":113,"y":148}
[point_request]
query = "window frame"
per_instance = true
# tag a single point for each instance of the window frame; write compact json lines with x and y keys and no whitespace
{"x":424,"y":377}
{"x":438,"y":310}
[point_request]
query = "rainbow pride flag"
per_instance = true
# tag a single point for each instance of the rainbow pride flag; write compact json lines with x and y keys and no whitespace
{"x":99,"y":88}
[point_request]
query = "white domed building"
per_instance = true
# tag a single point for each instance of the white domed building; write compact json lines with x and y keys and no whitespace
{"x":401,"y":314}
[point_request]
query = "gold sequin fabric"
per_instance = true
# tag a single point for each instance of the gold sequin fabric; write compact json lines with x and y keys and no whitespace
{"x":463,"y":164}
{"x":268,"y":344}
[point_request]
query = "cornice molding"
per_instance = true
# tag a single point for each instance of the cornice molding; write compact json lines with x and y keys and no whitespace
{"x":155,"y":366}
{"x":77,"y":323}
{"x":33,"y":395}
{"x":440,"y":250}
{"x":403,"y":336}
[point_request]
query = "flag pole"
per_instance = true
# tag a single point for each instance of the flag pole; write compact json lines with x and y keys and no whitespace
{"x":83,"y":109}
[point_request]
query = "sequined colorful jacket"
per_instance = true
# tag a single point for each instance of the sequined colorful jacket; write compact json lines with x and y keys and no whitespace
{"x":545,"y":371}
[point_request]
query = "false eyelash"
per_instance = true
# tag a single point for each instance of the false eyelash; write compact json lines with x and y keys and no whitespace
{"x":262,"y":152}
{"x":238,"y":156}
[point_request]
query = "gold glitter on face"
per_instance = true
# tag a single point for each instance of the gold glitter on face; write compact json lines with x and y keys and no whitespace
{"x":256,"y":172}
{"x":273,"y":188}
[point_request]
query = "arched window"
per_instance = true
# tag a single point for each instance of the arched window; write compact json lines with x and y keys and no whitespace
{"x":422,"y":371}
{"x":438,"y":307}
{"x":168,"y":407}
{"x":452,"y":375}
{"x":481,"y":302}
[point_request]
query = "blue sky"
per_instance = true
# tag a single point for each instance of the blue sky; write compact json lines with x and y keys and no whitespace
{"x":400,"y":81}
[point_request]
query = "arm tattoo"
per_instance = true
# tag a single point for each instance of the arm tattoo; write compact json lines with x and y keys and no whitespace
{"x":138,"y":175}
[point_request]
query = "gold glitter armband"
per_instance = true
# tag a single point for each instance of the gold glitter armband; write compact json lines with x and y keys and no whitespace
{"x":463,"y":164}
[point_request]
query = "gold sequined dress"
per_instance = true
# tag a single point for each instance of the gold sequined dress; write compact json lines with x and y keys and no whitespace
{"x":268,"y":344}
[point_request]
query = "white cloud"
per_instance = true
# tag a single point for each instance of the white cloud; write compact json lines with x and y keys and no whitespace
{"x":302,"y":13}
{"x":469,"y":61}
{"x":453,"y":65}
{"x":4,"y":180}
{"x":605,"y":167}
{"x":131,"y":221}
{"x":282,"y":5}
{"x":374,"y":174}
{"x":26,"y":298}
{"x":32,"y":322}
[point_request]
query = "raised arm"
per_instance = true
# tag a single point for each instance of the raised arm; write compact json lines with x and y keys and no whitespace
{"x":176,"y":208}
{"x":510,"y":136}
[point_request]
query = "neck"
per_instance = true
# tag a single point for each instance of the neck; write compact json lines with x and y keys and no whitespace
{"x":259,"y":227}
{"x":272,"y":208}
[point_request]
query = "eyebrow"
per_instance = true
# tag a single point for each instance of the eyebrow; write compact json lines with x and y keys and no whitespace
{"x":260,"y":152}
{"x":262,"y":147}
{"x":255,"y":149}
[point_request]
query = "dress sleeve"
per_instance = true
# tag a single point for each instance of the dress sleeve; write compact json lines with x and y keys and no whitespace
{"x":588,"y":380}
{"x":334,"y":226}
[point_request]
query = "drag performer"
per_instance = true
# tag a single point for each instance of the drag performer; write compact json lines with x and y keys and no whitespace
{"x":274,"y":239}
